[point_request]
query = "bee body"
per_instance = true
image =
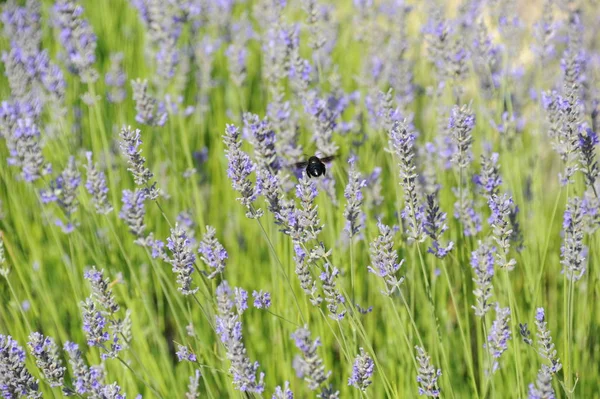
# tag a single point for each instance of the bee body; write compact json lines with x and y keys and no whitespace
{"x":315,"y":166}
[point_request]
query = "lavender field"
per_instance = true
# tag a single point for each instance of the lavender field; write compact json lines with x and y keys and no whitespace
{"x":163,"y":235}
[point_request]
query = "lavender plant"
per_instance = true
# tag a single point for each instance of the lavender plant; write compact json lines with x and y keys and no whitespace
{"x":401,"y":142}
{"x":15,"y":379}
{"x":482,"y":262}
{"x":495,"y":83}
{"x":97,"y":187}
{"x":499,"y":335}
{"x":362,"y":371}
{"x":573,"y":251}
{"x":546,"y":347}
{"x":427,"y":375}
{"x":229,"y":329}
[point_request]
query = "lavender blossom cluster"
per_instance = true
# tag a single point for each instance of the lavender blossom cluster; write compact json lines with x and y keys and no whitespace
{"x":173,"y":144}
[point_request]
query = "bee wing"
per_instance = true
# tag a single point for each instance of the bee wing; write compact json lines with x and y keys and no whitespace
{"x":328,"y":159}
{"x":300,"y":165}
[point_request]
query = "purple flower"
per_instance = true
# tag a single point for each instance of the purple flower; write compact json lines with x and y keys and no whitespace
{"x":115,"y":79}
{"x":309,"y":365}
{"x":542,"y":389}
{"x":133,"y":212}
{"x":97,"y":187}
{"x":101,"y":291}
{"x":283,"y":393}
{"x":332,"y":296}
{"x":94,"y":324}
{"x":45,"y":352}
{"x":384,"y":259}
{"x":77,"y":38}
{"x":499,"y":220}
{"x":82,"y":376}
{"x":482,"y":262}
{"x":184,"y":354}
{"x":434,"y":225}
{"x":402,"y":141}
{"x":25,"y":150}
{"x":148,"y":111}
{"x":353,"y":194}
{"x":499,"y":335}
{"x":164,"y":26}
{"x":212,"y":252}
{"x":15,"y":379}
{"x":461,"y":124}
{"x":182,"y":260}
{"x":193,"y":386}
{"x":362,"y":371}
{"x":241,"y":299}
{"x":546,"y":347}
{"x":261,"y":135}
{"x":63,"y":191}
{"x":489,"y":178}
{"x":573,"y":252}
{"x":262,"y":300}
{"x":427,"y":375}
{"x":130,"y":142}
{"x":229,"y":328}
{"x":588,"y":140}
{"x":239,"y":170}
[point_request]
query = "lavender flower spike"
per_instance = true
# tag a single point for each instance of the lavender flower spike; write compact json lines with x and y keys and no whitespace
{"x":402,"y":141}
{"x":148,"y":112}
{"x":283,"y":393}
{"x":434,"y":225}
{"x":332,"y":296}
{"x":461,"y":123}
{"x":229,"y":328}
{"x":573,"y":254}
{"x":489,"y":179}
{"x":101,"y":291}
{"x":545,"y":344}
{"x":94,"y":324}
{"x":130,"y":142}
{"x":212,"y":252}
{"x":362,"y":371}
{"x":96,"y":186}
{"x":542,"y":389}
{"x":47,"y":359}
{"x":82,"y":378}
{"x":239,"y":170}
{"x":77,"y":38}
{"x":193,"y":386}
{"x":27,"y":151}
{"x":133,"y":213}
{"x":15,"y":379}
{"x":309,"y":366}
{"x":308,"y":223}
{"x":262,"y":300}
{"x":427,"y":375}
{"x":499,"y":335}
{"x":501,"y":228}
{"x":63,"y":191}
{"x":384,"y":259}
{"x":183,"y":259}
{"x":115,"y":79}
{"x":261,"y":135}
{"x":589,"y":163}
{"x":184,"y":354}
{"x":482,"y":262}
{"x":353,"y":194}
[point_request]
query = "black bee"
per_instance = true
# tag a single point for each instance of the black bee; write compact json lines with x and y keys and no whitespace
{"x":315,"y":166}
